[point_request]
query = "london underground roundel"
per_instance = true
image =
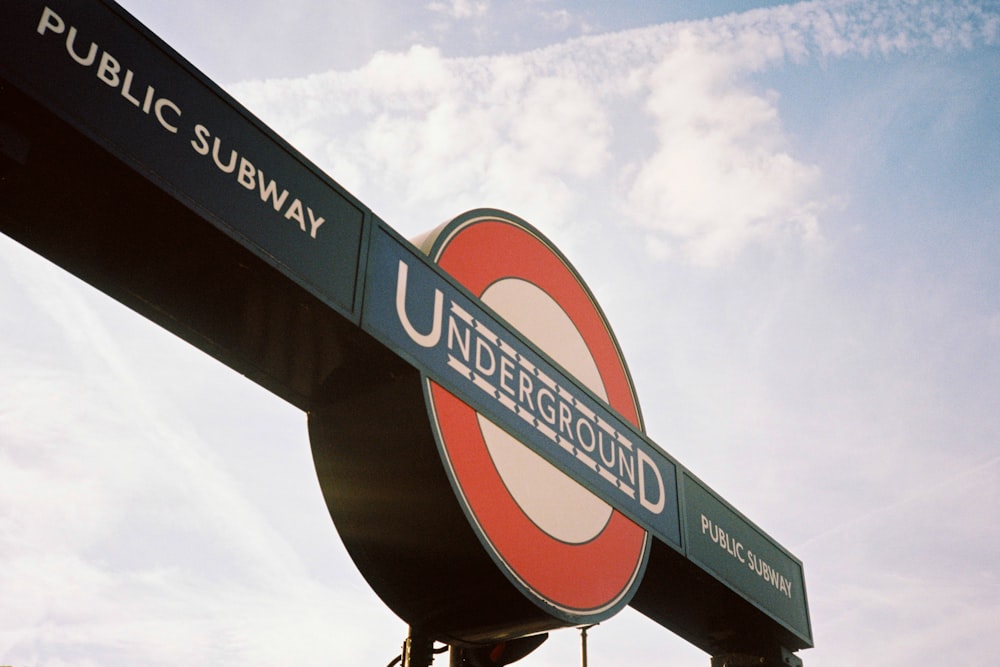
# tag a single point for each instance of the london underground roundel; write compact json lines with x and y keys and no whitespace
{"x":559,"y":543}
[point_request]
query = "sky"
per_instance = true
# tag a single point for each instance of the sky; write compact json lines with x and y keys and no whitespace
{"x":790,"y":214}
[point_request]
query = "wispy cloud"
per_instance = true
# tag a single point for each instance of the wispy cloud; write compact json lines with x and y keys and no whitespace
{"x":720,"y":176}
{"x":533,"y":132}
{"x":123,"y":534}
{"x":460,"y":9}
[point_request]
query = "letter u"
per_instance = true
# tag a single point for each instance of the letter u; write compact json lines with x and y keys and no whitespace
{"x":87,"y":60}
{"x":227,"y":168}
{"x":424,"y":340}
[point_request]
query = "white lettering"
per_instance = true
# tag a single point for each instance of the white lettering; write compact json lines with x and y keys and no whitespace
{"x":127,"y":88}
{"x":565,"y":418}
{"x":201,"y":134}
{"x":607,"y":451}
{"x":50,"y":21}
{"x":86,"y":60}
{"x":482,"y":358}
{"x":583,"y":426}
{"x":461,"y":338}
{"x":506,"y":374}
{"x":314,"y":222}
{"x":626,"y":466}
{"x":424,"y":340}
{"x":147,"y":102}
{"x":547,"y":407}
{"x":230,"y":166}
{"x":158,"y":108}
{"x":108,"y":70}
{"x":247,"y":173}
{"x":525,"y":389}
{"x":486,"y":360}
{"x":294,"y":212}
{"x":647,"y":463}
{"x":270,"y":191}
{"x":111,"y":72}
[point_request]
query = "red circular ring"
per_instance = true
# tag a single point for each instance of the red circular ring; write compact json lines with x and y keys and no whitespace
{"x":586,"y":578}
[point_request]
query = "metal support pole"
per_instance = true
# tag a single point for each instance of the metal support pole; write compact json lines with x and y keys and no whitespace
{"x":418,"y":650}
{"x":583,"y":643}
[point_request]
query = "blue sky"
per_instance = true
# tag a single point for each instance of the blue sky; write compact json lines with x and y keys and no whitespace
{"x":789,"y":213}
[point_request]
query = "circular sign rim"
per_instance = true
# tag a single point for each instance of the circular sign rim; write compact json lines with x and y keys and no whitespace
{"x":565,"y":564}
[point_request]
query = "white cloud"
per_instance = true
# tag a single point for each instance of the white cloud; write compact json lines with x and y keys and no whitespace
{"x":407,"y":80}
{"x":561,"y":19}
{"x":444,"y":134}
{"x":721,"y":175}
{"x":124,"y":534}
{"x":415,"y":131}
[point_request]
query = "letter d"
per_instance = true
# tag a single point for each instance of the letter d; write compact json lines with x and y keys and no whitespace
{"x":424,"y":340}
{"x":646,"y":463}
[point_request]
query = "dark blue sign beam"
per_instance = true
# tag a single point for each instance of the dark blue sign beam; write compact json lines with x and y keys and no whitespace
{"x":124,"y":165}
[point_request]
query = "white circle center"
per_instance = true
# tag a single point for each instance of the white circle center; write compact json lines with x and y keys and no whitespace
{"x":556,"y":503}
